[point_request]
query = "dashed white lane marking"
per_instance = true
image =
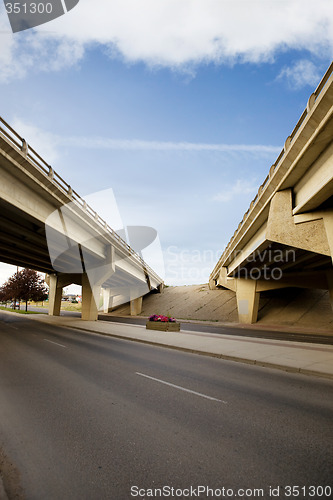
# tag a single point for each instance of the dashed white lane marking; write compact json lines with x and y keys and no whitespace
{"x":181,"y":388}
{"x":9,"y":325}
{"x":55,"y":343}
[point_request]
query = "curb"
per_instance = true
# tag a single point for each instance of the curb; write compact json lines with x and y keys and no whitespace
{"x":265,"y":364}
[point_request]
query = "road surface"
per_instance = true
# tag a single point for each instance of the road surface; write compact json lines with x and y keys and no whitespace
{"x":83,"y":416}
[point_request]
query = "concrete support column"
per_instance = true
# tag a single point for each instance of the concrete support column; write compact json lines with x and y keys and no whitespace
{"x":107,"y":299}
{"x":328,"y":223}
{"x":92,"y":282}
{"x":212,"y":285}
{"x":247,"y":300}
{"x":136,"y":306}
{"x":90,"y":299}
{"x":330,"y":286}
{"x":55,"y":294}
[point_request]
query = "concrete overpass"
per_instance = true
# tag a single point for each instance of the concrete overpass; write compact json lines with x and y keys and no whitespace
{"x":45,"y":225}
{"x":285,"y":239}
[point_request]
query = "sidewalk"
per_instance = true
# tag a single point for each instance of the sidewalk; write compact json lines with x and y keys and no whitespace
{"x":300,"y":357}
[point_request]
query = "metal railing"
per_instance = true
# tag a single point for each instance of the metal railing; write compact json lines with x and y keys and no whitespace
{"x":312,"y":99}
{"x":43,"y":167}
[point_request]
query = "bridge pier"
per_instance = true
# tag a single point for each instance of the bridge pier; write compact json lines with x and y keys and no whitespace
{"x":328,"y":223}
{"x":55,"y":295}
{"x":107,"y":299}
{"x":136,"y":306}
{"x":247,"y":300}
{"x":56,"y":283}
{"x":90,"y":299}
{"x":330,"y":286}
{"x":212,"y":285}
{"x":92,"y":281}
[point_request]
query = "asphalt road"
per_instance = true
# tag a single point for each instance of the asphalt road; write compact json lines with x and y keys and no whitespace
{"x":84,"y":416}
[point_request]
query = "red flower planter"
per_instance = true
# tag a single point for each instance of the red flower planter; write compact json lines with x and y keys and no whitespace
{"x":163,"y":326}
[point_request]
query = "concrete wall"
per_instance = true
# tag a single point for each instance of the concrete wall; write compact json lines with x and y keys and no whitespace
{"x":288,"y":306}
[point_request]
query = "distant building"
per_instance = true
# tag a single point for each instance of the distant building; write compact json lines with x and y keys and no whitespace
{"x":70,"y":297}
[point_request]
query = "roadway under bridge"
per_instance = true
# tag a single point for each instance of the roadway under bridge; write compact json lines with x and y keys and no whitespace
{"x":45,"y":225}
{"x":285,"y":239}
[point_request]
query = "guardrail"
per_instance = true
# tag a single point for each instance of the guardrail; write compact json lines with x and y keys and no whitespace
{"x":312,"y":99}
{"x":43,"y":167}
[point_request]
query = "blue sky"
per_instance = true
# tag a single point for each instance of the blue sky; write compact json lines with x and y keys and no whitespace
{"x":180,"y":107}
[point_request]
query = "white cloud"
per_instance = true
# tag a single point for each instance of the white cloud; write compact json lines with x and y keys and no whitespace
{"x":135,"y":144}
{"x":30,"y":50}
{"x":240,"y":188}
{"x":171,"y":33}
{"x":48,"y":145}
{"x":302,"y":73}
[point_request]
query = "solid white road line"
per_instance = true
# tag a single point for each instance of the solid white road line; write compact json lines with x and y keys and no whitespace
{"x":56,"y":343}
{"x":181,"y":388}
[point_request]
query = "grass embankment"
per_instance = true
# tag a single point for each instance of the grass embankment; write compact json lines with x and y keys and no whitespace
{"x":65,"y":306}
{"x":68,"y":306}
{"x":20,"y":311}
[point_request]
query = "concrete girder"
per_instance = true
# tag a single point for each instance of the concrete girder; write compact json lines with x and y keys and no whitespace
{"x":125,"y":266}
{"x":316,"y":186}
{"x":281,"y":227}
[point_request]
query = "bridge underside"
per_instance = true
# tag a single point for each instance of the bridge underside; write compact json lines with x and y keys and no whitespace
{"x":288,"y":251}
{"x":24,"y":243}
